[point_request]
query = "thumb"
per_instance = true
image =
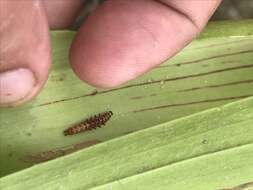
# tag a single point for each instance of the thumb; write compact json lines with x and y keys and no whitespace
{"x":123,"y":39}
{"x":24,"y":50}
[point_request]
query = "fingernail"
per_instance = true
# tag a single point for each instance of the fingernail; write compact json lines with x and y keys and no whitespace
{"x":15,"y":85}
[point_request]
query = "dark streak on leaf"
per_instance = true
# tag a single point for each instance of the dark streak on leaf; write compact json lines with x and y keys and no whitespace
{"x":137,"y":97}
{"x":243,"y":186}
{"x":150,"y":83}
{"x":217,"y":45}
{"x":191,"y":103}
{"x":140,"y":97}
{"x":58,"y":152}
{"x":209,"y":58}
{"x":218,"y":85}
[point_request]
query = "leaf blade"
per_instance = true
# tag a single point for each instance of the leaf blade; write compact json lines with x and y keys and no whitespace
{"x":225,"y":128}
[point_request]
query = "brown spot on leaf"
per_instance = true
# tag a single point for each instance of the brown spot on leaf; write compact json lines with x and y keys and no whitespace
{"x":29,"y":134}
{"x":94,"y":92}
{"x":58,"y":78}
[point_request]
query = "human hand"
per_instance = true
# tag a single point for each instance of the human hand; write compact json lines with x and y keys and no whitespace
{"x":121,"y":40}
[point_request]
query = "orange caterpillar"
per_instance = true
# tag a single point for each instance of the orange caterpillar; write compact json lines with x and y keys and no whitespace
{"x":89,"y":124}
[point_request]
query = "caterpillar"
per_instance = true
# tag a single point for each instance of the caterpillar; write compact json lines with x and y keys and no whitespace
{"x":89,"y":124}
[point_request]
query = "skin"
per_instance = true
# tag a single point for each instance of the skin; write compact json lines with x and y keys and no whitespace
{"x":120,"y":41}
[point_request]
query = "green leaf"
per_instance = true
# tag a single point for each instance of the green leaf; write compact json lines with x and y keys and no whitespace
{"x":208,"y":150}
{"x":213,"y":70}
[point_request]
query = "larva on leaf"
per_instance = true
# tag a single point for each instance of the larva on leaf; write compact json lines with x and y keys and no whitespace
{"x":89,"y":124}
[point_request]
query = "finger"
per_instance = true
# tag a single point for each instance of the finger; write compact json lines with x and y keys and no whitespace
{"x":124,"y":39}
{"x":62,"y":13}
{"x":24,"y":50}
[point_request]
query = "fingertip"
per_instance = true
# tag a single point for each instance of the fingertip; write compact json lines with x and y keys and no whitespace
{"x":108,"y":49}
